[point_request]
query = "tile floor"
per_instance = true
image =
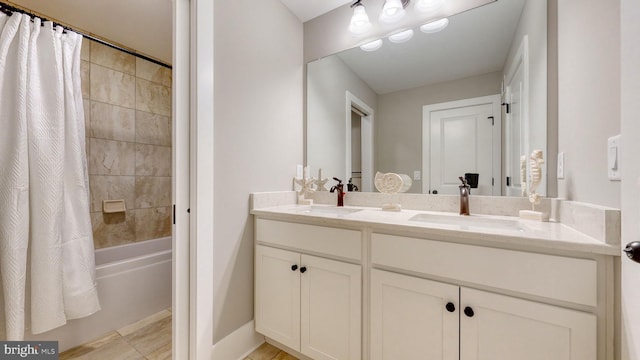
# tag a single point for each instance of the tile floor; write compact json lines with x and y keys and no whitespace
{"x":149,"y":339}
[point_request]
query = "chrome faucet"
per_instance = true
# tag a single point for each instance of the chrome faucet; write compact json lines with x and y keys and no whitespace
{"x":464,"y":196}
{"x":340,"y":189}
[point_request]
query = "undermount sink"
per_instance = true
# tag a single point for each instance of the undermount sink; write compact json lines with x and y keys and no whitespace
{"x":328,"y":210}
{"x":477,"y":222}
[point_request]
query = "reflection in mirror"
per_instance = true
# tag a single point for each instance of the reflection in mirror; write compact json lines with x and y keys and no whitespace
{"x":498,"y":49}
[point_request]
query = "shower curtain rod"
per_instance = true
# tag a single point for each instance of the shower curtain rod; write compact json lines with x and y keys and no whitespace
{"x":8,"y":9}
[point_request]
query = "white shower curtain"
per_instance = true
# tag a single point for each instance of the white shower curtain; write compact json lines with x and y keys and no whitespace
{"x":44,"y":192}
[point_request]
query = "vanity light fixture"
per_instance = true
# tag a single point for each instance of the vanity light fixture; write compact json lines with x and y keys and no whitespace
{"x":434,"y":26}
{"x":372,"y":46}
{"x":401,"y":36}
{"x":360,"y":23}
{"x":392,"y":11}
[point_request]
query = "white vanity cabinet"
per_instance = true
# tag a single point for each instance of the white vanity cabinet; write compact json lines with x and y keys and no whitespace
{"x":310,"y":303}
{"x":415,"y":318}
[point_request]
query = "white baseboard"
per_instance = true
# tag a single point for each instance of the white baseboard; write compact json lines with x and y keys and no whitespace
{"x":238,"y":344}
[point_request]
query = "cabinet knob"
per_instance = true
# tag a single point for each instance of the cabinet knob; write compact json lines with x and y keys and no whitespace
{"x":468,"y":311}
{"x":450,"y":307}
{"x":303,"y":269}
{"x":294,"y":267}
{"x":633,"y":251}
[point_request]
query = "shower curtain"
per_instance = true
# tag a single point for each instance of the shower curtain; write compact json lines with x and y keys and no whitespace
{"x":46,"y":241}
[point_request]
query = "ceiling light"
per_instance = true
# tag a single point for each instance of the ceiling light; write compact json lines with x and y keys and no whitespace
{"x":401,"y":36}
{"x":434,"y":26}
{"x":392,"y":11}
{"x":372,"y":46}
{"x":429,"y":6}
{"x":360,"y":23}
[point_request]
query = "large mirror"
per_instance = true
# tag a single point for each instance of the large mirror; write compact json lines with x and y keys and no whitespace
{"x":468,"y":99}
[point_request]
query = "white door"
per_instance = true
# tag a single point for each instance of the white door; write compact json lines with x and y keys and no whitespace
{"x":277,"y":298}
{"x":410,"y":319}
{"x":630,"y":167}
{"x":330,"y":309}
{"x":498,"y":327}
{"x":462,"y":140}
{"x":516,"y":120}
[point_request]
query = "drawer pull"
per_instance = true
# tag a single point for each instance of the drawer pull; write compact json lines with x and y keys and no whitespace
{"x":294,"y":267}
{"x":468,"y":311}
{"x":450,"y":307}
{"x":303,"y":269}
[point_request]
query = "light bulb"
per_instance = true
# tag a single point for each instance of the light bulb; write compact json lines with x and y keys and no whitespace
{"x":360,"y":23}
{"x":392,"y":11}
{"x":434,"y":26}
{"x":429,"y":6}
{"x":401,"y":37}
{"x":372,"y":46}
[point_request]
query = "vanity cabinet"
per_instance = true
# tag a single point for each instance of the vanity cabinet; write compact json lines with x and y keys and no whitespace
{"x":309,"y":303}
{"x":415,"y":318}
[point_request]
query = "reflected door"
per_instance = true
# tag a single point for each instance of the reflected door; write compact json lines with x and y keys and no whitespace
{"x":462,"y":140}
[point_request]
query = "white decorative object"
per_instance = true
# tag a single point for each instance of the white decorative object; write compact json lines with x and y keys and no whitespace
{"x":523,"y":175}
{"x":305,"y":187}
{"x":535,"y":178}
{"x":391,"y":183}
{"x":321,"y":182}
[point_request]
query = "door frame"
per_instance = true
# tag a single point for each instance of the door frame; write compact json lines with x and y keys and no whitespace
{"x":367,"y":140}
{"x":494,"y":100}
{"x":193,"y":169}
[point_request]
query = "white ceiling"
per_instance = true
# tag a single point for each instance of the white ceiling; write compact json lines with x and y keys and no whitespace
{"x":306,"y":10}
{"x":475,"y":42}
{"x":143,"y":25}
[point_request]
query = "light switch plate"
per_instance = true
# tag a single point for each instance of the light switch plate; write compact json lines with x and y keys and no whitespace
{"x":560,"y":165}
{"x":416,"y":175}
{"x":613,"y":158}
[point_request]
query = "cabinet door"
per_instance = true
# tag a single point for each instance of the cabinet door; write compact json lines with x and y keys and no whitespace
{"x":506,"y":328}
{"x":277,"y":298}
{"x":410,"y":320}
{"x":330,"y":309}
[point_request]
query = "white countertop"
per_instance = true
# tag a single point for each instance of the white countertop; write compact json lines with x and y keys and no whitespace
{"x":487,"y":230}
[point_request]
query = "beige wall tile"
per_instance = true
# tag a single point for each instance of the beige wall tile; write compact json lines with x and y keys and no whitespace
{"x":153,"y":72}
{"x":153,"y":160}
{"x":112,"y":188}
{"x":112,"y":58}
{"x":152,"y":191}
{"x":85,"y":52}
{"x":87,"y":116}
{"x":108,"y":157}
{"x":85,"y":79}
{"x":153,"y":223}
{"x":153,"y":129}
{"x":113,"y":229}
{"x":112,"y":122}
{"x":153,"y":98}
{"x":113,"y":87}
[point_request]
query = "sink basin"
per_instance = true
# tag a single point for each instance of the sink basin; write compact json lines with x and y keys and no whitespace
{"x":470,"y":222}
{"x":328,"y":210}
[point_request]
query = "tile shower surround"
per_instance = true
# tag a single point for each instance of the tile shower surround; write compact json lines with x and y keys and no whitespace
{"x":127,"y":105}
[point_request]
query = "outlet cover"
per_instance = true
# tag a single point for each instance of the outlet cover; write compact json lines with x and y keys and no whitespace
{"x":613,"y":158}
{"x":416,"y":175}
{"x":560,"y":169}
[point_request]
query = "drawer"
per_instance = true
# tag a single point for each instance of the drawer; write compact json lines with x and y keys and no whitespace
{"x":556,"y":277}
{"x":342,"y":243}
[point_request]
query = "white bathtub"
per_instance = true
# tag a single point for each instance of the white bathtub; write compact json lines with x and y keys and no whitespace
{"x":134,"y":281}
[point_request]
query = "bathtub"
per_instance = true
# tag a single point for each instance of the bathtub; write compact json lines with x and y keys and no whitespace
{"x":134,"y":281}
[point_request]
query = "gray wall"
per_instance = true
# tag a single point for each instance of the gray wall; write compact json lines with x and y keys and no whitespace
{"x":328,"y":79}
{"x":258,"y":137}
{"x":588,"y":97}
{"x":398,"y":127}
